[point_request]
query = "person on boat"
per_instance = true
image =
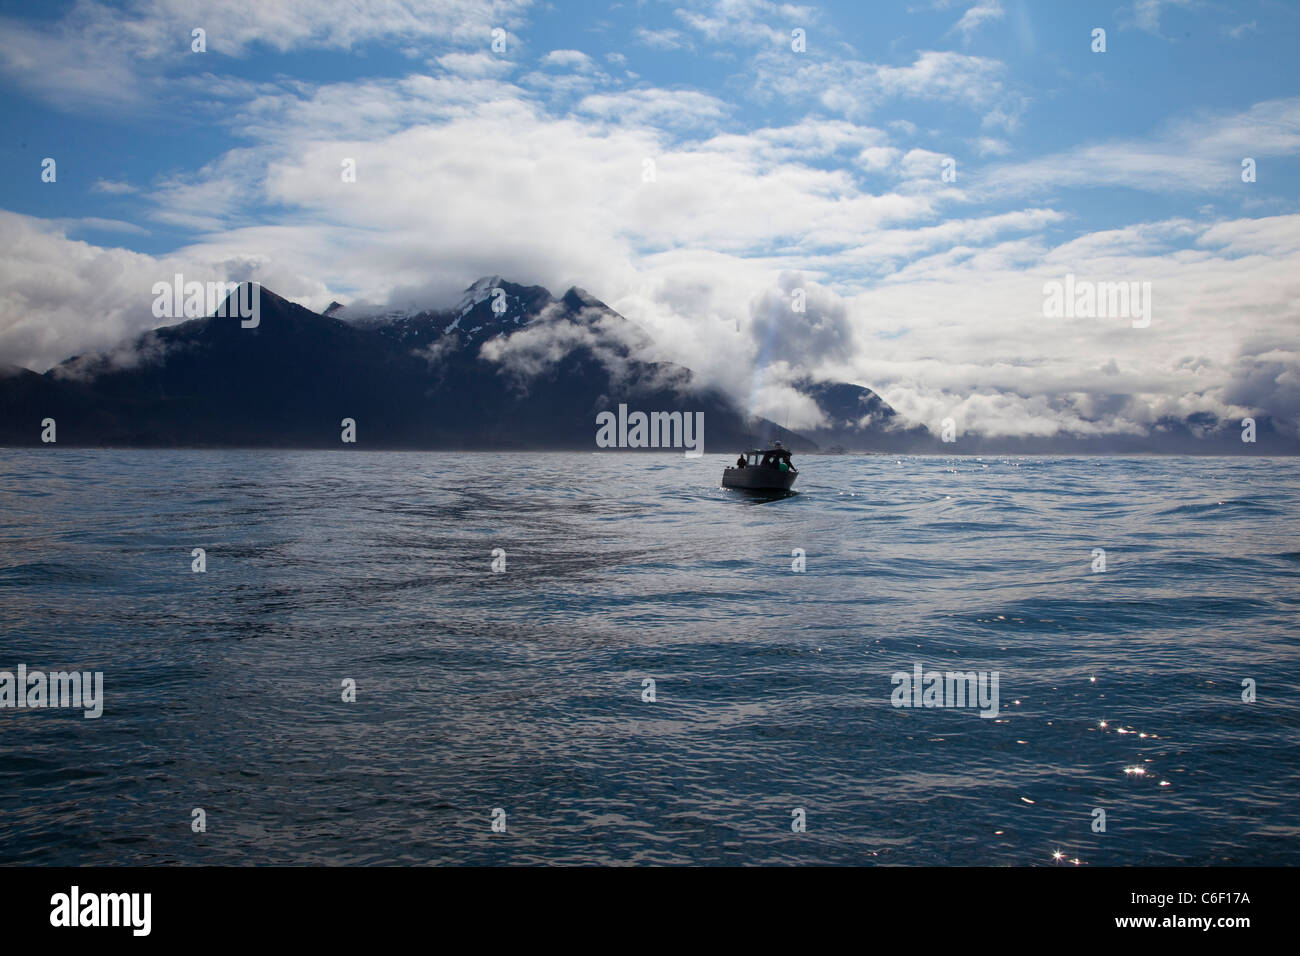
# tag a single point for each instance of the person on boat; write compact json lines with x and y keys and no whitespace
{"x":740,"y":462}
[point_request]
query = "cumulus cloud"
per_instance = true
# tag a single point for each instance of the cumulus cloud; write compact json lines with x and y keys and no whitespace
{"x":569,"y":60}
{"x":800,"y":323}
{"x":60,"y":296}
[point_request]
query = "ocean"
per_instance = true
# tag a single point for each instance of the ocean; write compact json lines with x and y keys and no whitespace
{"x":659,"y":671}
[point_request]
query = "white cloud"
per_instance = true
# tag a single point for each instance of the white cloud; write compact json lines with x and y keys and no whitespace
{"x":991,"y":146}
{"x":1187,"y":155}
{"x":112,"y":187}
{"x":477,"y":65}
{"x":95,"y":223}
{"x":856,"y":88}
{"x":976,"y":16}
{"x":961,"y":332}
{"x":569,"y":60}
{"x":748,"y":22}
{"x":60,"y":296}
{"x":1240,"y":30}
{"x":98,"y":55}
{"x":665,"y":108}
{"x":1145,"y":14}
{"x":666,"y":39}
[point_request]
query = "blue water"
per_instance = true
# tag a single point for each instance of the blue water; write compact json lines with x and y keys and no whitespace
{"x":522,"y":690}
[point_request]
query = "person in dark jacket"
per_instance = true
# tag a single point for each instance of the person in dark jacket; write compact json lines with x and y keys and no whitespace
{"x":740,"y":462}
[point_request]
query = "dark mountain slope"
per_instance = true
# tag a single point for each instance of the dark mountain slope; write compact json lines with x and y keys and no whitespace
{"x":414,"y":381}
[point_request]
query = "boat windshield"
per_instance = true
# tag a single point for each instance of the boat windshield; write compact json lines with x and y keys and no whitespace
{"x":778,"y":458}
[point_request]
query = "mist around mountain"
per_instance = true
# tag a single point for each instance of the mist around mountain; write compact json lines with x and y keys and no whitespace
{"x":508,"y":367}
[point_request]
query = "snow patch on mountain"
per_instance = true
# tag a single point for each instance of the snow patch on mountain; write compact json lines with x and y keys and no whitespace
{"x":478,"y":292}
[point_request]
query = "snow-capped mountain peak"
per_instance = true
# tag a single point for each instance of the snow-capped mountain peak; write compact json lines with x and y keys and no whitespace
{"x":478,"y":292}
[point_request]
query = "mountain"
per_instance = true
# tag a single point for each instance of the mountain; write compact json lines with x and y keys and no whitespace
{"x":515,"y":369}
{"x":857,"y":419}
{"x":508,"y":367}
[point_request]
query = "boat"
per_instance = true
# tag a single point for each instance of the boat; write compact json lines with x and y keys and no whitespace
{"x":762,"y":469}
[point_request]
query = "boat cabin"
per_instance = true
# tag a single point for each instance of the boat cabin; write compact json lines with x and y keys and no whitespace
{"x":776,"y":457}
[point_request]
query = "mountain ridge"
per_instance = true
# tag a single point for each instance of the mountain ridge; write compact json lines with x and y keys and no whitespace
{"x":291,"y":380}
{"x":517,"y":368}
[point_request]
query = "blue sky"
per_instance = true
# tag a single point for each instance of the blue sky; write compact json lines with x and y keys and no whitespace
{"x":1191,"y":61}
{"x":774,"y":170}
